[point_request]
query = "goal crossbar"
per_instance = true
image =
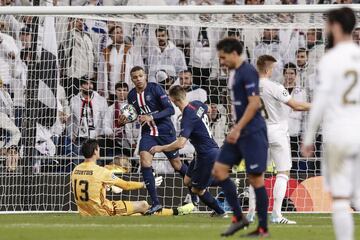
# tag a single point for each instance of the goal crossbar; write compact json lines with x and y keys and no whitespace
{"x":155,"y":10}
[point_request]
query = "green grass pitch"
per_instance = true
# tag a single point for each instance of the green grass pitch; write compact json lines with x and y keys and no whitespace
{"x":195,"y":226}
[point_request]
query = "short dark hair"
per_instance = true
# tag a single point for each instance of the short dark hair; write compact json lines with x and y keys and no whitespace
{"x":136,"y":68}
{"x":121,"y":85}
{"x":264,"y":61}
{"x":300,"y":50}
{"x":185,"y":71}
{"x":177,"y":92}
{"x":229,"y":45}
{"x":345,"y":17}
{"x":162,"y":29}
{"x":291,"y":66}
{"x":88,"y":147}
{"x":112,"y":30}
{"x":84,"y":79}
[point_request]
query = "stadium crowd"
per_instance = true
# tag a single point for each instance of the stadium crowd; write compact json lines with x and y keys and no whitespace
{"x":95,"y":58}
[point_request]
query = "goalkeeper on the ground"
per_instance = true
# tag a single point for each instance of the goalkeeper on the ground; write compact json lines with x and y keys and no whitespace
{"x":89,"y":184}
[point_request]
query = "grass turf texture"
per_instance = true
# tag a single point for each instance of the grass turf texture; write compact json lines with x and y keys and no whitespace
{"x":195,"y":226}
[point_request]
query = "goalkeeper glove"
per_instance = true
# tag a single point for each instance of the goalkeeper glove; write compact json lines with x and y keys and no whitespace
{"x":158,"y":181}
{"x":114,"y":189}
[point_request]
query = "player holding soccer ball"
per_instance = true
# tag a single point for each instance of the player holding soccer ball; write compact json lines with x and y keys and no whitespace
{"x":155,"y":109}
{"x":89,"y":184}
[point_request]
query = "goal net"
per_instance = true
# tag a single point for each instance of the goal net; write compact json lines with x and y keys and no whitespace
{"x":64,"y":77}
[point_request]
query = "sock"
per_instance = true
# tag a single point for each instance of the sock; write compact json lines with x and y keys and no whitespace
{"x":150,"y":184}
{"x":252,"y":200}
{"x":229,"y":190}
{"x":194,"y":197}
{"x":183,"y":170}
{"x":342,"y":220}
{"x":211,"y":202}
{"x":262,"y":203}
{"x":279,"y":193}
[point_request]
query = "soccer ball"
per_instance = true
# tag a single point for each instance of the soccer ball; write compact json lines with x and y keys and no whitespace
{"x":129,"y":112}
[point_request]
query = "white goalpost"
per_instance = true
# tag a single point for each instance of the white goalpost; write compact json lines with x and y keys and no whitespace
{"x":47,"y":53}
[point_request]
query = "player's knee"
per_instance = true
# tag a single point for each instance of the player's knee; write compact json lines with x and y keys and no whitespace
{"x":176,"y":163}
{"x":187,"y":181}
{"x":197,"y":191}
{"x":145,"y":159}
{"x":220,"y":173}
{"x":256,"y":180}
{"x":144,"y":206}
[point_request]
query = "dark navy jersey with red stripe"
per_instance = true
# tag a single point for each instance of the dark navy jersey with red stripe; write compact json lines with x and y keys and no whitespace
{"x":154,"y":101}
{"x":195,"y":127}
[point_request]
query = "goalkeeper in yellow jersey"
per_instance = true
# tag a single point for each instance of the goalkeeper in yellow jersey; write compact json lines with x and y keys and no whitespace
{"x":89,"y":184}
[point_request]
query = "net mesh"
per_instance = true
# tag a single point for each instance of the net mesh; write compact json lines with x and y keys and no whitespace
{"x":45,"y":114}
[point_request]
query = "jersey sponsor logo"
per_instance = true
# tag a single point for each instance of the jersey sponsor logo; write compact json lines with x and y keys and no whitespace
{"x":253,"y":166}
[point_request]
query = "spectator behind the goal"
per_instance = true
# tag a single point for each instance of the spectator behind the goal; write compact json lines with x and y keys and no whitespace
{"x":203,"y":50}
{"x":306,"y":73}
{"x":218,"y":126}
{"x":270,"y":45}
{"x":120,"y":139}
{"x":315,"y":46}
{"x":296,"y":118}
{"x":356,"y":36}
{"x":120,"y":57}
{"x":9,"y":133}
{"x":165,"y":56}
{"x":9,"y":55}
{"x":88,"y":111}
{"x":193,"y":91}
{"x":76,"y":56}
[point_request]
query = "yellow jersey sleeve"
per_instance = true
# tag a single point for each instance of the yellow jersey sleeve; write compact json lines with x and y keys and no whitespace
{"x":111,"y":179}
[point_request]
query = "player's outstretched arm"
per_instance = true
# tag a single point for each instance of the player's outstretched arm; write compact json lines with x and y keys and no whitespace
{"x":298,"y":106}
{"x":177,"y":144}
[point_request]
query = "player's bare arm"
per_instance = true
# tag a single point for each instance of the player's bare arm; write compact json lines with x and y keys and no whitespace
{"x":298,"y":106}
{"x":178,"y":144}
{"x":251,"y":109}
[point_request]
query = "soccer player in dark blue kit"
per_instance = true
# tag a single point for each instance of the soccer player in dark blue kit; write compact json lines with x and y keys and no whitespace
{"x":155,"y":109}
{"x":195,"y":127}
{"x":247,"y":138}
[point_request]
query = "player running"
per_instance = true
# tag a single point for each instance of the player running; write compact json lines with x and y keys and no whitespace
{"x":274,"y":98}
{"x":155,"y":109}
{"x":247,"y":138}
{"x":337,"y":106}
{"x":89,"y":183}
{"x":195,"y":127}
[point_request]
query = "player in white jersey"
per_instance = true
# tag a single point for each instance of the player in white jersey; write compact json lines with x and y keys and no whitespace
{"x":275,"y":99}
{"x":337,"y":107}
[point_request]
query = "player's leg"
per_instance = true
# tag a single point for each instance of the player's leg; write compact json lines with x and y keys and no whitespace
{"x":281,"y":154}
{"x":228,"y":156}
{"x":339,"y":170}
{"x":177,"y":164}
{"x":146,"y":142}
{"x":255,"y":151}
{"x":128,"y":208}
{"x":201,"y":178}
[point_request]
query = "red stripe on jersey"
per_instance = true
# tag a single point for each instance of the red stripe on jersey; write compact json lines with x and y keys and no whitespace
{"x":191,"y":106}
